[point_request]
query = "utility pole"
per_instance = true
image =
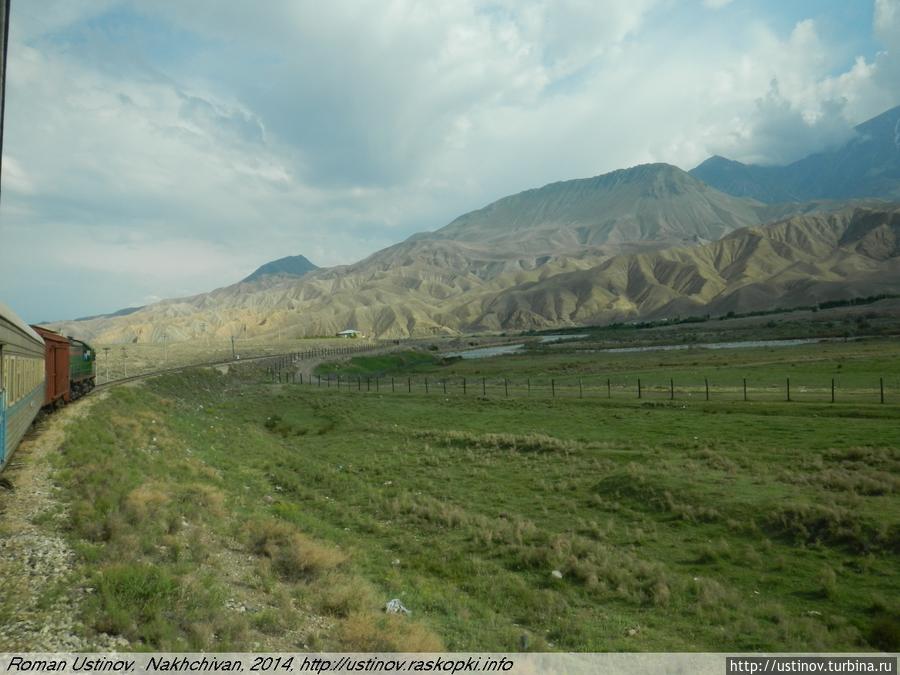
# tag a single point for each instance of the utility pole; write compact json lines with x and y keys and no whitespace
{"x":4,"y":43}
{"x":124,"y":361}
{"x":165,"y":349}
{"x":233,"y":355}
{"x":106,"y":358}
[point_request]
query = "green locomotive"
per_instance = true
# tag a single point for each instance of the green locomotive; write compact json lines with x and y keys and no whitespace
{"x":81,"y":367}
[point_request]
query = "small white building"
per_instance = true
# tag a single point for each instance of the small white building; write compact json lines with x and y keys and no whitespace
{"x":350,"y":333}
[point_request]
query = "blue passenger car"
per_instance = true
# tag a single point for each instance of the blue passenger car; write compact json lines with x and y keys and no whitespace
{"x":21,"y":380}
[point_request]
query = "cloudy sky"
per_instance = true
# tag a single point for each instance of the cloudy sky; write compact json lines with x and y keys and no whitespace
{"x":160,"y":148}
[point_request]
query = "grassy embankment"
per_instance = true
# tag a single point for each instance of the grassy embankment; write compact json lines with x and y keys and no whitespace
{"x":530,"y":522}
{"x":171,"y":491}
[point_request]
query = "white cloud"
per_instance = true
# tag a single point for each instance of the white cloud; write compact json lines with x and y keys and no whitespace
{"x":241,"y":132}
{"x":887,"y":20}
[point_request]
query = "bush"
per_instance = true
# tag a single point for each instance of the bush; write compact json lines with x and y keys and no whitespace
{"x":294,"y":556}
{"x":366,"y":632}
{"x":343,"y":596}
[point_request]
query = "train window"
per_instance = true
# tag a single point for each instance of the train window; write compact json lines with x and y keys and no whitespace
{"x":20,"y":377}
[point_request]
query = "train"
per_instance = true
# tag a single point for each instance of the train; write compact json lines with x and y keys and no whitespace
{"x":40,"y":369}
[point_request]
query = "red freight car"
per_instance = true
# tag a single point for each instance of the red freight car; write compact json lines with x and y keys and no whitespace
{"x":56,"y":366}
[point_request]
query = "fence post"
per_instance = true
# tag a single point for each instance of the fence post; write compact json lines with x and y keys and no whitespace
{"x":529,"y":386}
{"x":377,"y":386}
{"x":426,"y":385}
{"x":788,"y":388}
{"x":392,"y":384}
{"x":832,"y":390}
{"x":506,"y":387}
{"x":881,"y":386}
{"x":444,"y":383}
{"x":580,"y":389}
{"x":483,"y":387}
{"x":639,"y":387}
{"x":464,"y":386}
{"x":553,"y":387}
{"x":745,"y":388}
{"x":408,"y":385}
{"x":368,"y":383}
{"x":608,"y":388}
{"x":318,"y":380}
{"x":301,"y":378}
{"x":671,"y":388}
{"x":339,"y":382}
{"x":706,"y":384}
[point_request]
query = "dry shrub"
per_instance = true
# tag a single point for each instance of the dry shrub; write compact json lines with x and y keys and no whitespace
{"x":524,"y":531}
{"x":451,"y":516}
{"x":369,"y":632}
{"x":886,"y":458}
{"x":518,"y":442}
{"x":146,"y":502}
{"x":660,"y":594}
{"x":207,"y":497}
{"x":294,"y":555}
{"x":717,"y":461}
{"x":342,"y":596}
{"x":863,"y":482}
{"x":710,"y":594}
{"x":583,"y":571}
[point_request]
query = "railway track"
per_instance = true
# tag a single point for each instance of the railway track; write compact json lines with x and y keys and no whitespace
{"x":292,"y":357}
{"x":318,"y":354}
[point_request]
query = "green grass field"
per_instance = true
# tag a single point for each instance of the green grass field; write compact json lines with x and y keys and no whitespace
{"x":503,"y":524}
{"x":575,"y":369}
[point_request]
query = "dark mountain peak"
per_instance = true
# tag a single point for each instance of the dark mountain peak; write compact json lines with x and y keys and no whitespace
{"x":637,"y":174}
{"x":882,"y":125}
{"x":290,"y":266}
{"x":716,"y":161}
{"x":868,"y":165}
{"x":658,"y":174}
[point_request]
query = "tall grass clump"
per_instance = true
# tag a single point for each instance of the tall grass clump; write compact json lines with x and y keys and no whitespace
{"x":292,"y":554}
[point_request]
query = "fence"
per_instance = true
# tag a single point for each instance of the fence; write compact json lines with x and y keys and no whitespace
{"x":726,"y":389}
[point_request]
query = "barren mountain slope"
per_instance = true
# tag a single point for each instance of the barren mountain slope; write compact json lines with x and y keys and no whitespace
{"x":650,"y":202}
{"x":799,"y":260}
{"x":413,"y":289}
{"x":439,"y":281}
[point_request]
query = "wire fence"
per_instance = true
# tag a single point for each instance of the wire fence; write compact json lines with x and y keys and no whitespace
{"x":831,"y":390}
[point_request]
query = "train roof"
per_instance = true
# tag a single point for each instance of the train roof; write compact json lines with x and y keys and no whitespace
{"x":10,"y":317}
{"x":49,"y":334}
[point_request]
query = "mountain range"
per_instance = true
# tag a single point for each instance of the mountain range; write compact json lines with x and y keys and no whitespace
{"x":867,"y":166}
{"x":646,"y":242}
